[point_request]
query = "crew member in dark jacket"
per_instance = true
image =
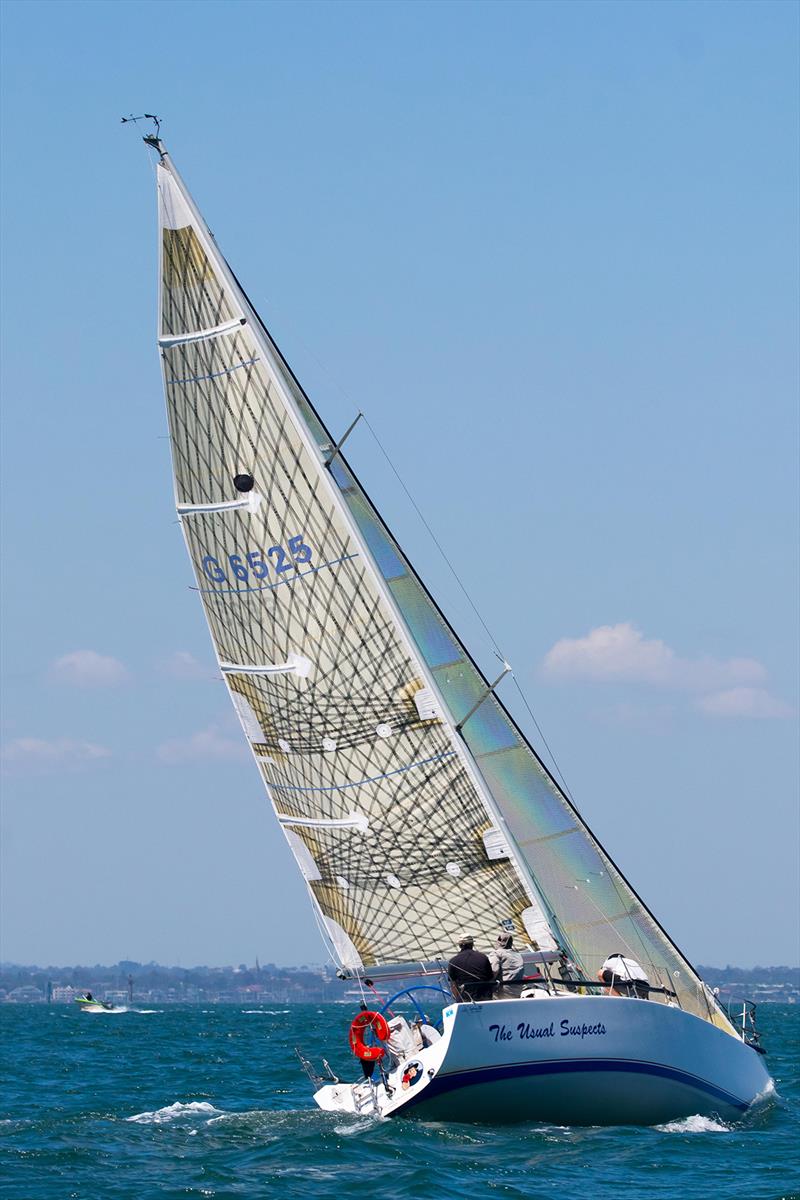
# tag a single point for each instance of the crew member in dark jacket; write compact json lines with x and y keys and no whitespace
{"x":471,"y":973}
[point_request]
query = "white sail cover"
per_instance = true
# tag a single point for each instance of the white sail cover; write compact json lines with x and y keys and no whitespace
{"x":347,"y":679}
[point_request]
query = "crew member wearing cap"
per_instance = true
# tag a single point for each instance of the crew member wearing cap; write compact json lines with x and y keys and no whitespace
{"x":507,"y":963}
{"x":625,"y":976}
{"x":470,"y":972}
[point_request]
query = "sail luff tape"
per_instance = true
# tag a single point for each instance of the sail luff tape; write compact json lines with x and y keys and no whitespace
{"x":251,"y":502}
{"x":200,"y":335}
{"x":353,"y":820}
{"x":296,"y":664}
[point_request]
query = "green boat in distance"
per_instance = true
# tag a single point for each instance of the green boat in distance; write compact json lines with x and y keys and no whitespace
{"x":90,"y":1004}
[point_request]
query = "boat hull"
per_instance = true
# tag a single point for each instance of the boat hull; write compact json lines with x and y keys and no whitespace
{"x":568,"y":1061}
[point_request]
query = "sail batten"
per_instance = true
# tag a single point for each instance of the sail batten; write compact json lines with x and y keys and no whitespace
{"x":169,"y":341}
{"x":459,"y":825}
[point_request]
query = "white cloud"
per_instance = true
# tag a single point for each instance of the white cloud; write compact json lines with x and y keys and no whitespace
{"x":183,"y":665}
{"x":621,"y":653}
{"x":206,"y":744}
{"x":87,"y":668}
{"x":57,"y":753}
{"x":742,"y":702}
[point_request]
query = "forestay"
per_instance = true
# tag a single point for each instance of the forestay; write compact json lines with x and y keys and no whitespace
{"x":348,"y":681}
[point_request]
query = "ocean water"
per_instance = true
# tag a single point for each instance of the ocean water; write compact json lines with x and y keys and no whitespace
{"x":186,"y":1102}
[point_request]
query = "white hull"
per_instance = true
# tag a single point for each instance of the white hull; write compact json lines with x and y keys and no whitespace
{"x":568,"y":1061}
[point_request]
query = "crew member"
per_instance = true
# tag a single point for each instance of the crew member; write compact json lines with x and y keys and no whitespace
{"x":507,"y":964}
{"x":624,"y":976}
{"x":470,"y":972}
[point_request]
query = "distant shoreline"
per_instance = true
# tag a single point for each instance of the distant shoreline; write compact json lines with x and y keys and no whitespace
{"x":132,"y":983}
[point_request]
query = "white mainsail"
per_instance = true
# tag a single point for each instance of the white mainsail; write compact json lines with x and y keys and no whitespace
{"x":349,"y":683}
{"x":378,"y":803}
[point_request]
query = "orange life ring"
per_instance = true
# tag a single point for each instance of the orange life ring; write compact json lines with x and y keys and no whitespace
{"x":364,"y":1021}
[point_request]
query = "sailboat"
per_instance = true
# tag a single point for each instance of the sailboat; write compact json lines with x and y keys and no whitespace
{"x":415,"y":807}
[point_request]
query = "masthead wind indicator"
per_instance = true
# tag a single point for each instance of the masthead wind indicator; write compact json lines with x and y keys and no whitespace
{"x":152,"y":139}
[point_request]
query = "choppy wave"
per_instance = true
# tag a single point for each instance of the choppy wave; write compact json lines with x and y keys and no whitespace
{"x":265,"y":1012}
{"x":172,"y":1112}
{"x":695,"y":1124}
{"x":221,"y":1104}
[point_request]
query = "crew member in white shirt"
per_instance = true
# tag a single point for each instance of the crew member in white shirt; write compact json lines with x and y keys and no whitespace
{"x":624,"y":976}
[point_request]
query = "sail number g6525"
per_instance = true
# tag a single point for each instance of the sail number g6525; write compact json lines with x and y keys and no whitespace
{"x":256,"y":564}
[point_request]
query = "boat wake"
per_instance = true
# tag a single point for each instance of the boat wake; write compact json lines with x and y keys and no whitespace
{"x":695,"y":1124}
{"x":360,"y":1125}
{"x":173,"y":1112}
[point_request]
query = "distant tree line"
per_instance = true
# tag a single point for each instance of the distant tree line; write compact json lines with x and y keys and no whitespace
{"x":147,"y":977}
{"x":289,"y":982}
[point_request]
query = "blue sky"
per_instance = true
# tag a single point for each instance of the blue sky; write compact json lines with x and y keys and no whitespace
{"x":552,"y":251}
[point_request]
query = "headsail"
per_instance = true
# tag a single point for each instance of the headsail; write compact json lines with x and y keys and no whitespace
{"x":349,"y":682}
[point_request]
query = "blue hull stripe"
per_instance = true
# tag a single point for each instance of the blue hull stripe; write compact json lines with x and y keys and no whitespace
{"x":442,"y":1084}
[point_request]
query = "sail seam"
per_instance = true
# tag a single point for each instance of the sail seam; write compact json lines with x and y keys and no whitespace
{"x":342,"y":787}
{"x":548,"y":837}
{"x":217,"y":374}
